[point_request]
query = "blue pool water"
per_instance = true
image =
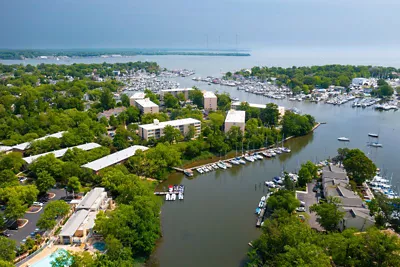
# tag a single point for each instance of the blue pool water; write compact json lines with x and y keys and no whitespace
{"x":46,"y":262}
{"x":100,"y":246}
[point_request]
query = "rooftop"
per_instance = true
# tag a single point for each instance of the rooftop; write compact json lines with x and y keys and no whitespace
{"x":253,"y":105}
{"x":209,"y":94}
{"x":74,"y":222}
{"x":25,"y":145}
{"x":5,"y":148}
{"x":146,"y":103}
{"x":138,"y":95}
{"x":110,"y":112}
{"x":236,"y":116}
{"x":113,"y":158}
{"x":59,"y":153}
{"x":90,"y":198}
{"x":174,"y":123}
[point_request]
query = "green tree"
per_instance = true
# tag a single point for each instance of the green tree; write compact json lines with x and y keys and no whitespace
{"x":191,"y":132}
{"x":15,"y":208}
{"x":54,"y":209}
{"x":283,"y":199}
{"x":171,"y":134}
{"x":11,"y":161}
{"x":288,"y":183}
{"x":358,"y":166}
{"x":74,"y":185}
{"x":223,"y":101}
{"x":7,"y":249}
{"x":170,"y":101}
{"x":125,"y":100}
{"x":107,"y":100}
{"x":181,"y":96}
{"x":153,"y":97}
{"x":216,"y":121}
{"x":328,"y":213}
{"x":8,"y":178}
{"x":44,"y":181}
{"x":270,"y":115}
{"x":304,"y":254}
{"x":197,"y":97}
{"x":304,"y":176}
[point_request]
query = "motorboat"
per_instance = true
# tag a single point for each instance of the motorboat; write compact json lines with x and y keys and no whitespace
{"x":263,"y":198}
{"x":248,"y":158}
{"x":375,"y":144}
{"x":180,"y":196}
{"x":258,"y":156}
{"x":200,"y":170}
{"x":261,"y":204}
{"x":188,"y":173}
{"x":173,"y":197}
{"x":234,"y":162}
{"x":221,"y":165}
{"x":373,"y":135}
{"x":270,"y":184}
{"x":227,"y":165}
{"x":214,"y":166}
{"x":240,"y":160}
{"x":258,"y":211}
{"x":205,"y":169}
{"x":285,"y":149}
{"x":344,"y":139}
{"x":170,"y":188}
{"x":278,"y":150}
{"x":167,"y":196}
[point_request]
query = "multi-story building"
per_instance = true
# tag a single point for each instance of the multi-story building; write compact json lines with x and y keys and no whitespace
{"x":155,"y":130}
{"x":235,"y":118}
{"x":235,"y":105}
{"x":210,"y":100}
{"x":146,"y":106}
{"x":175,"y":92}
{"x":136,"y":96}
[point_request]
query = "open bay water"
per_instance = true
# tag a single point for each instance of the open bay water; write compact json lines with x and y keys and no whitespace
{"x":214,"y":223}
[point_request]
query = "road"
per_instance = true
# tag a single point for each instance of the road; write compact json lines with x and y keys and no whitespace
{"x":310,"y":198}
{"x":23,"y":233}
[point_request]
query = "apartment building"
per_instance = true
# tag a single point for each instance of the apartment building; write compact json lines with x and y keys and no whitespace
{"x":146,"y":106}
{"x":136,"y":96}
{"x":155,"y":129}
{"x":175,"y":92}
{"x":235,"y":118}
{"x":210,"y":101}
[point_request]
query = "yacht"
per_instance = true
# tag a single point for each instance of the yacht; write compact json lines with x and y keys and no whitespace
{"x":167,"y":196}
{"x":173,"y":197}
{"x":278,"y":150}
{"x":214,"y":166}
{"x":222,"y":166}
{"x":200,"y":170}
{"x":180,"y":196}
{"x":240,"y":160}
{"x":376,"y":144}
{"x":285,"y":149}
{"x":261,"y":204}
{"x":373,"y":135}
{"x":234,"y":162}
{"x":263,"y":198}
{"x":344,"y":139}
{"x":248,"y":158}
{"x":270,"y":184}
{"x":227,"y":164}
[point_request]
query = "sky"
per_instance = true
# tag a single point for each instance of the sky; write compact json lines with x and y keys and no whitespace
{"x":28,"y":24}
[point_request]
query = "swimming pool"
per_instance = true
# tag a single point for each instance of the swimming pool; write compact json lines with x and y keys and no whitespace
{"x":46,"y":262}
{"x":100,"y":246}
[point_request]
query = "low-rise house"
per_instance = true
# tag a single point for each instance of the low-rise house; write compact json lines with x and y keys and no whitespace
{"x":111,"y":112}
{"x":79,"y":226}
{"x":335,"y":183}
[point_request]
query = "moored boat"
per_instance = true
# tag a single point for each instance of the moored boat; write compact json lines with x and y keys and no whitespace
{"x":344,"y":139}
{"x":373,"y":135}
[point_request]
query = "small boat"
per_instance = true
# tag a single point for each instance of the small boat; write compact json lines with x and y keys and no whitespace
{"x":173,"y":197}
{"x":373,"y":135}
{"x":258,"y":211}
{"x":222,"y":166}
{"x":205,"y":169}
{"x":261,"y":204}
{"x":188,"y":172}
{"x":278,"y":150}
{"x":376,"y":144}
{"x":180,"y":196}
{"x":234,"y":162}
{"x":258,"y":156}
{"x":240,"y":160}
{"x":248,"y":158}
{"x":263,"y":198}
{"x":167,"y":196}
{"x":344,"y":139}
{"x":270,"y":184}
{"x":170,"y":188}
{"x":285,"y":149}
{"x":214,"y":166}
{"x":228,"y":165}
{"x":200,"y":170}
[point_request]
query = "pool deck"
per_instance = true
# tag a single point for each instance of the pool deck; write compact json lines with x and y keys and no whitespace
{"x":50,"y":250}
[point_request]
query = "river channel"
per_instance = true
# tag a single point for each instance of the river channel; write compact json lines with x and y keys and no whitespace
{"x":214,"y":223}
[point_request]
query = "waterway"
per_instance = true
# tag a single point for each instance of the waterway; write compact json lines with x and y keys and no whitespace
{"x":215,"y":222}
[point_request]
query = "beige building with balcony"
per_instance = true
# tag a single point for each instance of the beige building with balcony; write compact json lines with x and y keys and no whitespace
{"x":235,"y":118}
{"x":146,"y":106}
{"x":175,"y":92}
{"x":155,"y":130}
{"x":210,"y":101}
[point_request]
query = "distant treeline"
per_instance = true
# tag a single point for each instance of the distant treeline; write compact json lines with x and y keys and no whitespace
{"x":22,"y":54}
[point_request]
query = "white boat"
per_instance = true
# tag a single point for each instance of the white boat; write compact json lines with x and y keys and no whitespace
{"x":167,"y":196}
{"x":214,"y":166}
{"x":199,"y":170}
{"x":248,"y":158}
{"x":173,"y":197}
{"x":258,"y":156}
{"x":210,"y":167}
{"x":180,"y":196}
{"x":278,"y":150}
{"x":261,"y":204}
{"x":343,"y":139}
{"x":375,"y":144}
{"x":270,"y":184}
{"x":373,"y":135}
{"x":285,"y":149}
{"x":234,"y":162}
{"x":205,"y":169}
{"x":241,"y":161}
{"x":263,"y":198}
{"x":221,"y":165}
{"x":227,"y":165}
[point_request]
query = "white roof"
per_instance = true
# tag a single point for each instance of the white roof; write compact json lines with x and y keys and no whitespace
{"x":177,"y":90}
{"x":25,"y":145}
{"x":236,"y":116}
{"x":5,"y":148}
{"x":59,"y":153}
{"x":173,"y":123}
{"x":253,"y":105}
{"x":90,"y":198}
{"x":113,"y":158}
{"x":209,"y":94}
{"x":138,"y":95}
{"x":74,"y":222}
{"x":146,"y":103}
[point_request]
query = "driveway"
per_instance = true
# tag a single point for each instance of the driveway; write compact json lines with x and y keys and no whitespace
{"x":310,"y":198}
{"x":23,"y":233}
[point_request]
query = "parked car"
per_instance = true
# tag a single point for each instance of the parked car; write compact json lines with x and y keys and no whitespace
{"x":302,"y":203}
{"x":6,"y":234}
{"x":23,"y":179}
{"x":44,"y":199}
{"x":39,"y":204}
{"x":301,"y":209}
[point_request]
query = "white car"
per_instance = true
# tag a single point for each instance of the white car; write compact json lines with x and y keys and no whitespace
{"x":37,"y":204}
{"x":301,"y":209}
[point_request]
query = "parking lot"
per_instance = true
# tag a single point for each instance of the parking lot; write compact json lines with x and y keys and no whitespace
{"x":309,"y":199}
{"x":23,"y":233}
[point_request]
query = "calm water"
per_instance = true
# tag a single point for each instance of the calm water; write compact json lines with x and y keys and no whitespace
{"x":215,"y":222}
